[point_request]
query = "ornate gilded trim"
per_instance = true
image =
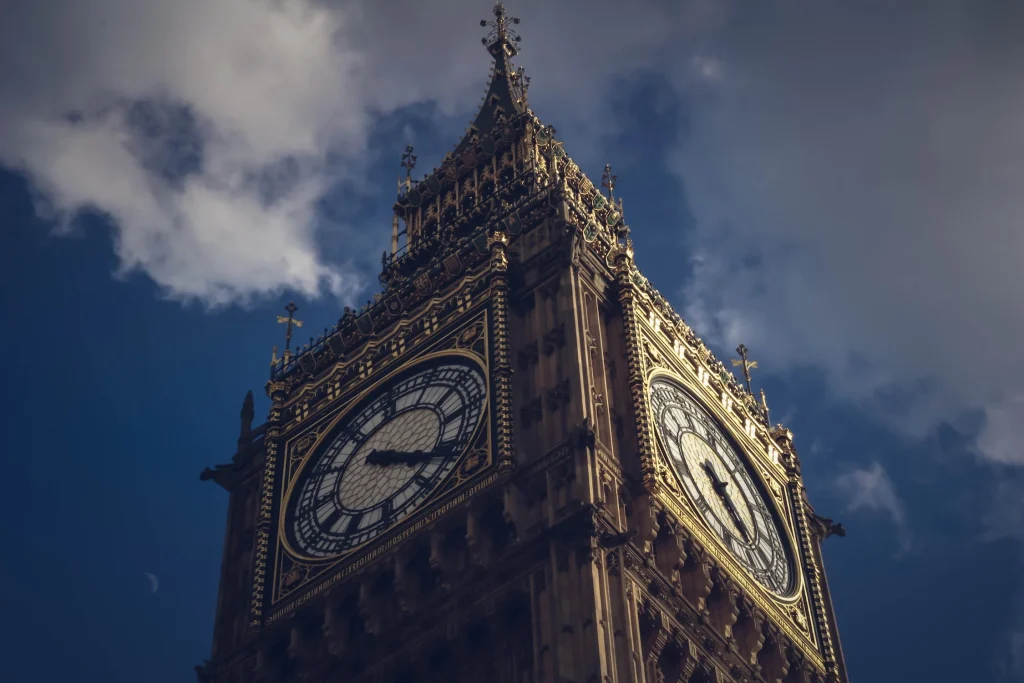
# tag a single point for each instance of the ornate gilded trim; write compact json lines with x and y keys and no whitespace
{"x":501,"y":368}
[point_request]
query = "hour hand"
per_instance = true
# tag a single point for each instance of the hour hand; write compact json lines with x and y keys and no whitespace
{"x":390,"y":456}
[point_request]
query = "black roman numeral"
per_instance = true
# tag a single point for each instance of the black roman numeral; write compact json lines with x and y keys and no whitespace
{"x":332,"y":519}
{"x":353,"y":523}
{"x":457,"y":413}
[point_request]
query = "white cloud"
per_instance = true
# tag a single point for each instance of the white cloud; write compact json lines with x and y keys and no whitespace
{"x":871,"y":489}
{"x":1000,"y":436}
{"x":249,"y":75}
{"x":251,"y":87}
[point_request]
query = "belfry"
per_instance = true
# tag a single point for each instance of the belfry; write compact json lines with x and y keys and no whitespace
{"x":516,"y":464}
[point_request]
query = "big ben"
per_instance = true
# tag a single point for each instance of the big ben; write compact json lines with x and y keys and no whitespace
{"x":516,"y":463}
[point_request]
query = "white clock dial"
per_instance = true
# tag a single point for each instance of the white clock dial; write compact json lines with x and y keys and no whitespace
{"x":716,"y":478}
{"x":386,"y":456}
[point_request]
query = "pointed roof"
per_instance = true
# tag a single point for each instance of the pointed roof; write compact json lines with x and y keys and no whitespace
{"x":504,"y":102}
{"x":506,"y":93}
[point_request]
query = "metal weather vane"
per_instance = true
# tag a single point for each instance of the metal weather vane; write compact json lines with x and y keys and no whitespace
{"x":608,"y":181}
{"x":291,"y":321}
{"x":747,"y":364}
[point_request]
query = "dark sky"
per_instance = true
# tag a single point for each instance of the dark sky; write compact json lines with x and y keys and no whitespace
{"x":837,"y":185}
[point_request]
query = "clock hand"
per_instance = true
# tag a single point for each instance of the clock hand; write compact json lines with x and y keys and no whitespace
{"x":720,"y":487}
{"x":388,"y":456}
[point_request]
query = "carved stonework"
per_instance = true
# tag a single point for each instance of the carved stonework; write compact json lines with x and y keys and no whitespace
{"x":559,"y":544}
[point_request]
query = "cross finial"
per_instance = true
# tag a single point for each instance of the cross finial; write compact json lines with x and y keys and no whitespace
{"x":747,"y":364}
{"x":408,"y":163}
{"x":502,"y":36}
{"x":291,"y":322}
{"x":408,"y":160}
{"x":608,"y":180}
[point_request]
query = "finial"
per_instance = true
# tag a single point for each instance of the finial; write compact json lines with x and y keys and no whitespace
{"x":608,"y":180}
{"x":290,"y":321}
{"x":408,"y":163}
{"x":748,"y":365}
{"x":273,"y":356}
{"x":502,"y":40}
{"x":394,"y":224}
{"x":764,"y":404}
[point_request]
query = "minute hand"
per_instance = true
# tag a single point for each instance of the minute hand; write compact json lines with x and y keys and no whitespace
{"x":720,"y":488}
{"x":392,"y":457}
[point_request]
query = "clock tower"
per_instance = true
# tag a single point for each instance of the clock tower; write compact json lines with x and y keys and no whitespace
{"x":516,"y":463}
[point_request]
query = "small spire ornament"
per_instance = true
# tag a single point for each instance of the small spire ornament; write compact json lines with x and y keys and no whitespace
{"x":408,"y":163}
{"x":394,"y":225}
{"x":608,"y":181}
{"x":747,"y":364}
{"x":291,"y":321}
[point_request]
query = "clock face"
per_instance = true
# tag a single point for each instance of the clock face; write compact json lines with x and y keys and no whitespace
{"x":718,"y":482}
{"x":386,"y":456}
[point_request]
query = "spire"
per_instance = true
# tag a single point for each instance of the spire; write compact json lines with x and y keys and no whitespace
{"x":506,"y":95}
{"x":394,"y":224}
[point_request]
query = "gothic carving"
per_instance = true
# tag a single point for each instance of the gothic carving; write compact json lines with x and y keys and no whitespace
{"x":271,"y":664}
{"x":695,"y":577}
{"x":747,"y":631}
{"x":679,"y":659}
{"x":528,"y":356}
{"x":772,"y":657}
{"x":532,"y":412}
{"x":722,"y":603}
{"x":557,"y":396}
{"x":645,"y":516}
{"x":305,"y":644}
{"x":554,"y":339}
{"x":669,"y":550}
{"x":338,"y":625}
{"x":373,"y":602}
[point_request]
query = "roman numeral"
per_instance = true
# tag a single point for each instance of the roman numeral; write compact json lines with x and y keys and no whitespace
{"x":333,"y":518}
{"x":421,"y":480}
{"x":457,"y":413}
{"x":386,"y":512}
{"x":353,"y":523}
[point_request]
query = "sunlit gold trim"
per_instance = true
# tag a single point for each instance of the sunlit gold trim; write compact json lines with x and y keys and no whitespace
{"x":785,"y":530}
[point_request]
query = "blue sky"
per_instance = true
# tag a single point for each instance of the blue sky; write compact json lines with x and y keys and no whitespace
{"x":836,"y":187}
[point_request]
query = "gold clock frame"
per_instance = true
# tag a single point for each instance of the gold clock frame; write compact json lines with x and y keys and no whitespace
{"x":778,"y":507}
{"x":295,"y":444}
{"x":294,"y":476}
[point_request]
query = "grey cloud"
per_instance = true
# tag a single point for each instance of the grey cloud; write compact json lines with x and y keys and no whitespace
{"x":254,"y":88}
{"x":870,"y":153}
{"x":873,"y":153}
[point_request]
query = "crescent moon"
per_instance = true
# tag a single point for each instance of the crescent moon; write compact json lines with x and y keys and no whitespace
{"x":154,"y":583}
